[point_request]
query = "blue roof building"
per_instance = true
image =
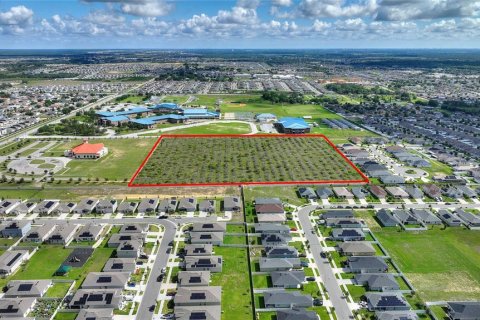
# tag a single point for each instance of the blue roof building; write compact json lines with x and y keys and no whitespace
{"x":135,"y":110}
{"x":200,"y":113}
{"x":266,"y":117}
{"x":292,"y":125}
{"x":167,"y":107}
{"x":115,"y":119}
{"x":150,"y":121}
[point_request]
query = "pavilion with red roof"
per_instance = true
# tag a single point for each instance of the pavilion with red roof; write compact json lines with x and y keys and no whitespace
{"x":87,"y":151}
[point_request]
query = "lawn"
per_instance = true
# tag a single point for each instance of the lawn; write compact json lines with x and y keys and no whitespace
{"x":120,"y":163}
{"x":216,"y":160}
{"x":262,"y":281}
{"x":441,"y":264}
{"x":58,"y":290}
{"x":215,"y":128}
{"x":235,"y":282}
{"x":287,"y":194}
{"x":66,"y":316}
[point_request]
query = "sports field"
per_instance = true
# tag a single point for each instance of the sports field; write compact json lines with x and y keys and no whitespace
{"x":234,"y":159}
{"x":442,"y":265}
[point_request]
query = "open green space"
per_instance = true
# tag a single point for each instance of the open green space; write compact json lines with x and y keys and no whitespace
{"x":285,"y":193}
{"x":230,"y":160}
{"x":65,"y":316}
{"x":215,"y":128}
{"x":123,"y":158}
{"x":442,"y":265}
{"x":235,"y":282}
{"x":58,"y":290}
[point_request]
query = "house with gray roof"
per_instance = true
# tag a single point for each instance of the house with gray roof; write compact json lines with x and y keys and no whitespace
{"x":195,"y":296}
{"x":279,"y":264}
{"x":117,"y":238}
{"x":187,"y":205}
{"x":127,"y":207}
{"x":405,"y":217}
{"x":386,"y":218}
{"x":148,"y":205}
{"x":201,"y":263}
{"x":64,"y":207}
{"x":199,"y":312}
{"x":134,"y":228}
{"x":207,"y":206}
{"x":464,"y":310}
{"x":15,"y":229}
{"x":343,"y":223}
{"x":265,"y":228}
{"x":96,"y":298}
{"x":274,"y":239}
{"x":62,"y":234}
{"x":16,"y":308}
{"x":453,"y":192}
{"x":38,"y":234}
{"x":287,"y":299}
{"x":426,"y":216}
{"x":288,"y":279}
{"x":366,"y":265}
{"x":106,"y":206}
{"x":168,"y":206}
{"x":471,"y":220}
{"x":11,"y":260}
{"x":7,"y":206}
{"x":281,"y":252}
{"x":348,"y":234}
{"x":377,"y":281}
{"x":391,"y":301}
{"x":413,"y":191}
{"x":467,"y":192}
{"x":449,"y":218}
{"x":27,"y":288}
{"x":391,"y":179}
{"x":193,"y":278}
{"x":89,"y":232}
{"x":268,"y":201}
{"x":396,"y":315}
{"x":343,"y":214}
{"x":356,"y":248}
{"x":106,"y":280}
{"x":432,"y":191}
{"x":86,"y":206}
{"x":129,"y":249}
{"x":232,"y":203}
{"x":296,"y":314}
{"x":120,"y":265}
{"x":342,"y":192}
{"x":209,"y":227}
{"x":324,"y":192}
{"x":397,"y":192}
{"x":307,"y":193}
{"x":24,"y":208}
{"x":198,"y":249}
{"x":95,"y":314}
{"x":359,"y":192}
{"x":215,"y":238}
{"x":46,"y":207}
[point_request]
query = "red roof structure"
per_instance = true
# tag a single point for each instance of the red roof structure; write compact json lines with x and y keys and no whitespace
{"x":87,"y":148}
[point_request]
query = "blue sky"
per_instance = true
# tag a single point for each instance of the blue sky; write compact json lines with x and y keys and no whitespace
{"x":240,"y":24}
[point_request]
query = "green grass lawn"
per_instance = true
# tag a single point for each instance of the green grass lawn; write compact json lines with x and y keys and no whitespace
{"x":122,"y":160}
{"x":439,"y":312}
{"x":441,"y":264}
{"x":285,"y":193}
{"x":217,"y":128}
{"x":356,"y":292}
{"x":65,"y":316}
{"x":58,"y":290}
{"x":234,"y":239}
{"x":262,"y":281}
{"x":235,"y":282}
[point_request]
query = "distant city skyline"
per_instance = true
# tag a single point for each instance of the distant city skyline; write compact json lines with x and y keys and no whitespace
{"x":250,"y":24}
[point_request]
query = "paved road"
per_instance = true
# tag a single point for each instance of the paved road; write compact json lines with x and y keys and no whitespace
{"x":333,"y":289}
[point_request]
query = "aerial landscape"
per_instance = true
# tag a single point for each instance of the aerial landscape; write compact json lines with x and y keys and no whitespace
{"x":240,"y":160}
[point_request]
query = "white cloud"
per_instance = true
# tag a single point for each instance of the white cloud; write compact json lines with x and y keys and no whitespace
{"x":16,"y":20}
{"x":320,"y":26}
{"x":282,"y":3}
{"x":350,"y":25}
{"x":142,"y":8}
{"x":336,"y":8}
{"x":238,"y":15}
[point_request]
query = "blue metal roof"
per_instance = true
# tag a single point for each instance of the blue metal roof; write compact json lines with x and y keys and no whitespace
{"x":265,"y":115}
{"x":153,"y":120}
{"x":122,"y":113}
{"x":116,"y":118}
{"x":293,"y":123}
{"x":166,"y":105}
{"x":198,"y":112}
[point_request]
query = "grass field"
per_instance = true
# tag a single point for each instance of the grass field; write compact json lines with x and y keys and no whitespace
{"x":217,"y":128}
{"x":242,"y":160}
{"x":122,"y":159}
{"x":441,"y":264}
{"x":235,"y":282}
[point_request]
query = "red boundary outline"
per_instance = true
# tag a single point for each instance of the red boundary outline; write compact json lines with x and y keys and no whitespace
{"x":362,"y":181}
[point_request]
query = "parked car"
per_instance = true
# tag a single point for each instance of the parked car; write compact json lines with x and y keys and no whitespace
{"x":310,"y":278}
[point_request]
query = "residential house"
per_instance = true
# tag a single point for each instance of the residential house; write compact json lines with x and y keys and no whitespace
{"x":287,"y":299}
{"x":396,"y":315}
{"x":296,"y":314}
{"x":15,"y":229}
{"x":324,"y":192}
{"x":467,"y":192}
{"x":134,"y":228}
{"x":89,"y":232}
{"x":432,"y":191}
{"x":46,"y":207}
{"x":106,"y":206}
{"x":209,"y":227}
{"x":232,"y":203}
{"x":392,"y":301}
{"x":274,"y":239}
{"x":95,"y":314}
{"x":281,"y":252}
{"x":64,"y":207}
{"x":127,"y":207}
{"x":391,"y":179}
{"x":378,"y":192}
{"x":187,"y":205}
{"x":342,"y":192}
{"x":337,"y":214}
{"x":62,"y":234}
{"x":106,"y":280}
{"x":86,"y":206}
{"x":27,"y":288}
{"x":386,"y":218}
{"x":307,"y":193}
{"x":207,"y":206}
{"x":7,"y":206}
{"x":367,"y":265}
{"x":356,"y":248}
{"x":449,"y":218}
{"x":198,"y":296}
{"x":193,"y":278}
{"x":201,"y":263}
{"x":265,"y":228}
{"x":96,"y":298}
{"x":117,"y":238}
{"x":397,"y":192}
{"x":288,"y":279}
{"x":38,"y":234}
{"x":426,"y":217}
{"x":198,"y":249}
{"x":470,"y":219}
{"x":129,"y":249}
{"x":348,"y":235}
{"x":148,"y":205}
{"x":11,"y":260}
{"x":463,"y":310}
{"x":360,"y":193}
{"x":120,"y":265}
{"x":343,"y":223}
{"x":16,"y":308}
{"x":201,"y":312}
{"x":269,"y":212}
{"x":404,"y":217}
{"x":377,"y":281}
{"x":168,"y":206}
{"x":279,"y":264}
{"x":215,"y":238}
{"x":414,"y":192}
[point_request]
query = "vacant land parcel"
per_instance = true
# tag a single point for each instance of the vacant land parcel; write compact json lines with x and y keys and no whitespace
{"x":235,"y":159}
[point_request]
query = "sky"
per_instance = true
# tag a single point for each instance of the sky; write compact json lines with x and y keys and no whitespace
{"x":215,"y":24}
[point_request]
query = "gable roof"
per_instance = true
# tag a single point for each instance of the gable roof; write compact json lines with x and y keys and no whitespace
{"x":88,"y":148}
